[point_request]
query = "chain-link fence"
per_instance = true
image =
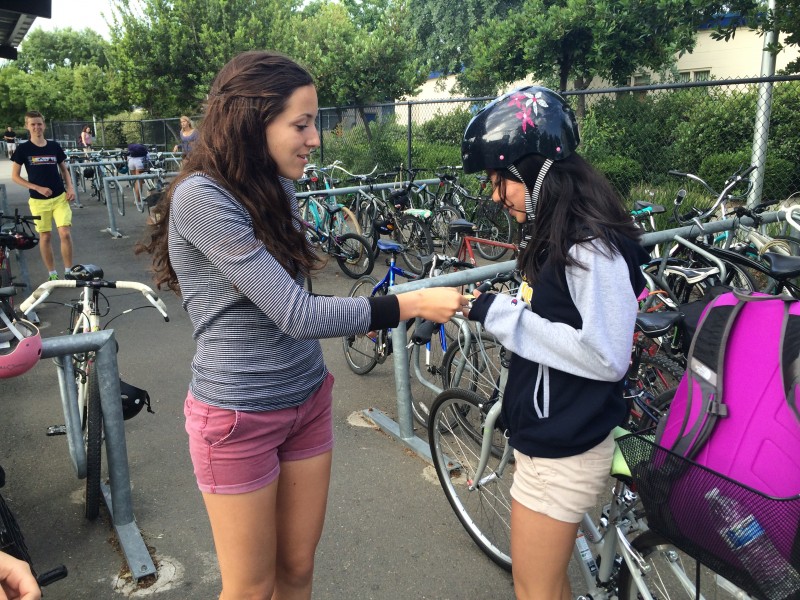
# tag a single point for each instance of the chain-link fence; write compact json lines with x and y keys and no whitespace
{"x":160,"y":133}
{"x":634,"y":135}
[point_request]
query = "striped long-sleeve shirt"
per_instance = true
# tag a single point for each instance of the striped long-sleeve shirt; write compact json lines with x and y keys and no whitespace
{"x":256,"y":328}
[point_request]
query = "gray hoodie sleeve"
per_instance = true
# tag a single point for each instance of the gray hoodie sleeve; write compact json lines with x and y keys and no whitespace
{"x":603,"y":295}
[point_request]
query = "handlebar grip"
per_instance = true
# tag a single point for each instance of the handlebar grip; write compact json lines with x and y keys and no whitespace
{"x":680,"y":196}
{"x":676,"y":173}
{"x":747,"y":171}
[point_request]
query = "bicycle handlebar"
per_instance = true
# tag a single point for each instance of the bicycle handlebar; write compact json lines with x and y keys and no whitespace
{"x":41,"y":293}
{"x":696,"y":215}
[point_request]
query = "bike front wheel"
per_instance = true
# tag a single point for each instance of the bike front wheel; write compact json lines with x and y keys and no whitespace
{"x":93,"y":441}
{"x":354,"y":255}
{"x":671,"y":574}
{"x":484,"y":508}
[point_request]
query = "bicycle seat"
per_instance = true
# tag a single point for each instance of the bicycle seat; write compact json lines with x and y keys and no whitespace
{"x":783,"y":266}
{"x":84,"y":273}
{"x":389,"y":246}
{"x":656,"y":324}
{"x":654,"y":208}
{"x":461,"y":226}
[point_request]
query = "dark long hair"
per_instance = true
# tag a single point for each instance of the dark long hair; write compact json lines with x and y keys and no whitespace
{"x":576,"y":204}
{"x":246,"y":96}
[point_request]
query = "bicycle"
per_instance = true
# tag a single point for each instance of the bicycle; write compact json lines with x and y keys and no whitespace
{"x":85,"y":317}
{"x":473,"y":462}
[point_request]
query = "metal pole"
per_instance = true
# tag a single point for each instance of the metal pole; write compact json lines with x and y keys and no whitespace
{"x":408,"y":141}
{"x":763,"y":111}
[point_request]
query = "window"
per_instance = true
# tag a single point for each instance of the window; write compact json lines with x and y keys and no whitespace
{"x":683,"y":77}
{"x":641,"y":80}
{"x":702,"y":75}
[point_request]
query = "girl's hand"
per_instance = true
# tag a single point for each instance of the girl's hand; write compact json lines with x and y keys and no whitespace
{"x":434,"y":304}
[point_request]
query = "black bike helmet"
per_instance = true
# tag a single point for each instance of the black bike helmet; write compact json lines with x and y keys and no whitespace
{"x":88,"y":172}
{"x":134,"y":399}
{"x":530,"y":120}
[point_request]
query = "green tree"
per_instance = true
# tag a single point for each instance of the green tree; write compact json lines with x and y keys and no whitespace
{"x":167,"y":51}
{"x":353,"y":65}
{"x":444,"y":26}
{"x":45,"y":50}
{"x":577,"y":40}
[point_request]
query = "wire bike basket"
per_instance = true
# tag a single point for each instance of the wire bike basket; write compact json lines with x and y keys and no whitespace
{"x":747,"y":537}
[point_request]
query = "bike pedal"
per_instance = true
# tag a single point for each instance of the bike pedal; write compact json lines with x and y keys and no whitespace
{"x":51,"y":576}
{"x":57,"y":430}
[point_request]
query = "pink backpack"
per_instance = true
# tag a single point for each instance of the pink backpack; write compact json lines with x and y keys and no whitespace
{"x":731,"y":442}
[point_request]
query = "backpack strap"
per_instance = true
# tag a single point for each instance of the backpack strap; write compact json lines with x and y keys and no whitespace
{"x":705,"y":367}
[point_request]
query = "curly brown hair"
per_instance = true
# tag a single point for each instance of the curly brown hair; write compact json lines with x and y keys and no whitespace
{"x":246,"y":96}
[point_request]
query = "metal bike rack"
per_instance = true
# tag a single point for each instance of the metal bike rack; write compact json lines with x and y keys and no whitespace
{"x":118,"y":495}
{"x":77,"y":166}
{"x":19,"y":256}
{"x":112,"y":221}
{"x":403,"y":429}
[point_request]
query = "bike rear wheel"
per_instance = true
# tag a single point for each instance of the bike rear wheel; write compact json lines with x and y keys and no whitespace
{"x":361,"y":350}
{"x":485,"y":511}
{"x":417,"y":240}
{"x":493,"y":223}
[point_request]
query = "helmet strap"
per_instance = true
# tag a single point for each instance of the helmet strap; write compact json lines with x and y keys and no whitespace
{"x":10,"y":325}
{"x":531,"y":197}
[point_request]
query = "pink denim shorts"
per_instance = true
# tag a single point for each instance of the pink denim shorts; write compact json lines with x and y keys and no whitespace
{"x":234,"y":452}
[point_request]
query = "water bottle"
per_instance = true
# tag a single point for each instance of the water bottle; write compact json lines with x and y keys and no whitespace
{"x":743,"y":534}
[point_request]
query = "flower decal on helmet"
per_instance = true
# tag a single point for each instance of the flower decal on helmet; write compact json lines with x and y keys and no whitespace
{"x":527,"y":102}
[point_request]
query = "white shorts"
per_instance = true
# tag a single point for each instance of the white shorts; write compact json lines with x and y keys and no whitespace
{"x":11,"y":147}
{"x":136,"y":163}
{"x":563,"y":488}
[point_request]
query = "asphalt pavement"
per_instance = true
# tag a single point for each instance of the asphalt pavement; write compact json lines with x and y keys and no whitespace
{"x":389,"y":533}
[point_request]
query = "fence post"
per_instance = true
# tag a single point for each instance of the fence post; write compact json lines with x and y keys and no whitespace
{"x":408,"y":141}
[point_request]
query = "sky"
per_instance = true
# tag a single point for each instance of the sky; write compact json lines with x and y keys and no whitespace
{"x":78,"y":14}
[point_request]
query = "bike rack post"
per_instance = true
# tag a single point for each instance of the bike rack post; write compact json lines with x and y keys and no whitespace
{"x":118,"y":496}
{"x":75,"y":166}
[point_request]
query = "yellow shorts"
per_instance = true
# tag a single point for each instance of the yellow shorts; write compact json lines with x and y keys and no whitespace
{"x":51,"y":209}
{"x":563,"y":488}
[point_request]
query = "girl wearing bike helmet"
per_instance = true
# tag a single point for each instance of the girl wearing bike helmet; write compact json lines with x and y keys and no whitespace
{"x":570,"y":338}
{"x":259,"y":409}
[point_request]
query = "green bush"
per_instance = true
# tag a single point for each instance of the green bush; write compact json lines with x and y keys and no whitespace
{"x":779,"y":174}
{"x":430,"y":155}
{"x":621,"y":171}
{"x":444,"y":128}
{"x":358,"y":154}
{"x":122,"y":129}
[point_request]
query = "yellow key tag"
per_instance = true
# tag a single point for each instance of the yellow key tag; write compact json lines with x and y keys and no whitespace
{"x":526,"y":292}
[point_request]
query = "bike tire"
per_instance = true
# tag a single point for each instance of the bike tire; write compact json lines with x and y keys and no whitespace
{"x":493,"y":223}
{"x":354,"y":255}
{"x":662,"y":577}
{"x":345,"y":221}
{"x":417,"y":239}
{"x":11,"y":539}
{"x":477,"y":375}
{"x":485,"y":512}
{"x":361,"y":351}
{"x":444,"y":241}
{"x":93,"y":443}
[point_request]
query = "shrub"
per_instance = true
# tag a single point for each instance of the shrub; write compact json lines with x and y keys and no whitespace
{"x":621,"y":171}
{"x":430,"y":155}
{"x":444,"y":128}
{"x":779,"y":173}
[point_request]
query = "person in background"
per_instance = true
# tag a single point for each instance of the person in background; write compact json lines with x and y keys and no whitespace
{"x":86,"y":139}
{"x":10,"y":138}
{"x":570,"y":338}
{"x":16,"y":580}
{"x":50,"y":187}
{"x":188,"y":135}
{"x":137,"y":164}
{"x":259,"y":409}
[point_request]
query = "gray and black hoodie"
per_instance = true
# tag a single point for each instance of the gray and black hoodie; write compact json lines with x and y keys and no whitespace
{"x":571,"y":347}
